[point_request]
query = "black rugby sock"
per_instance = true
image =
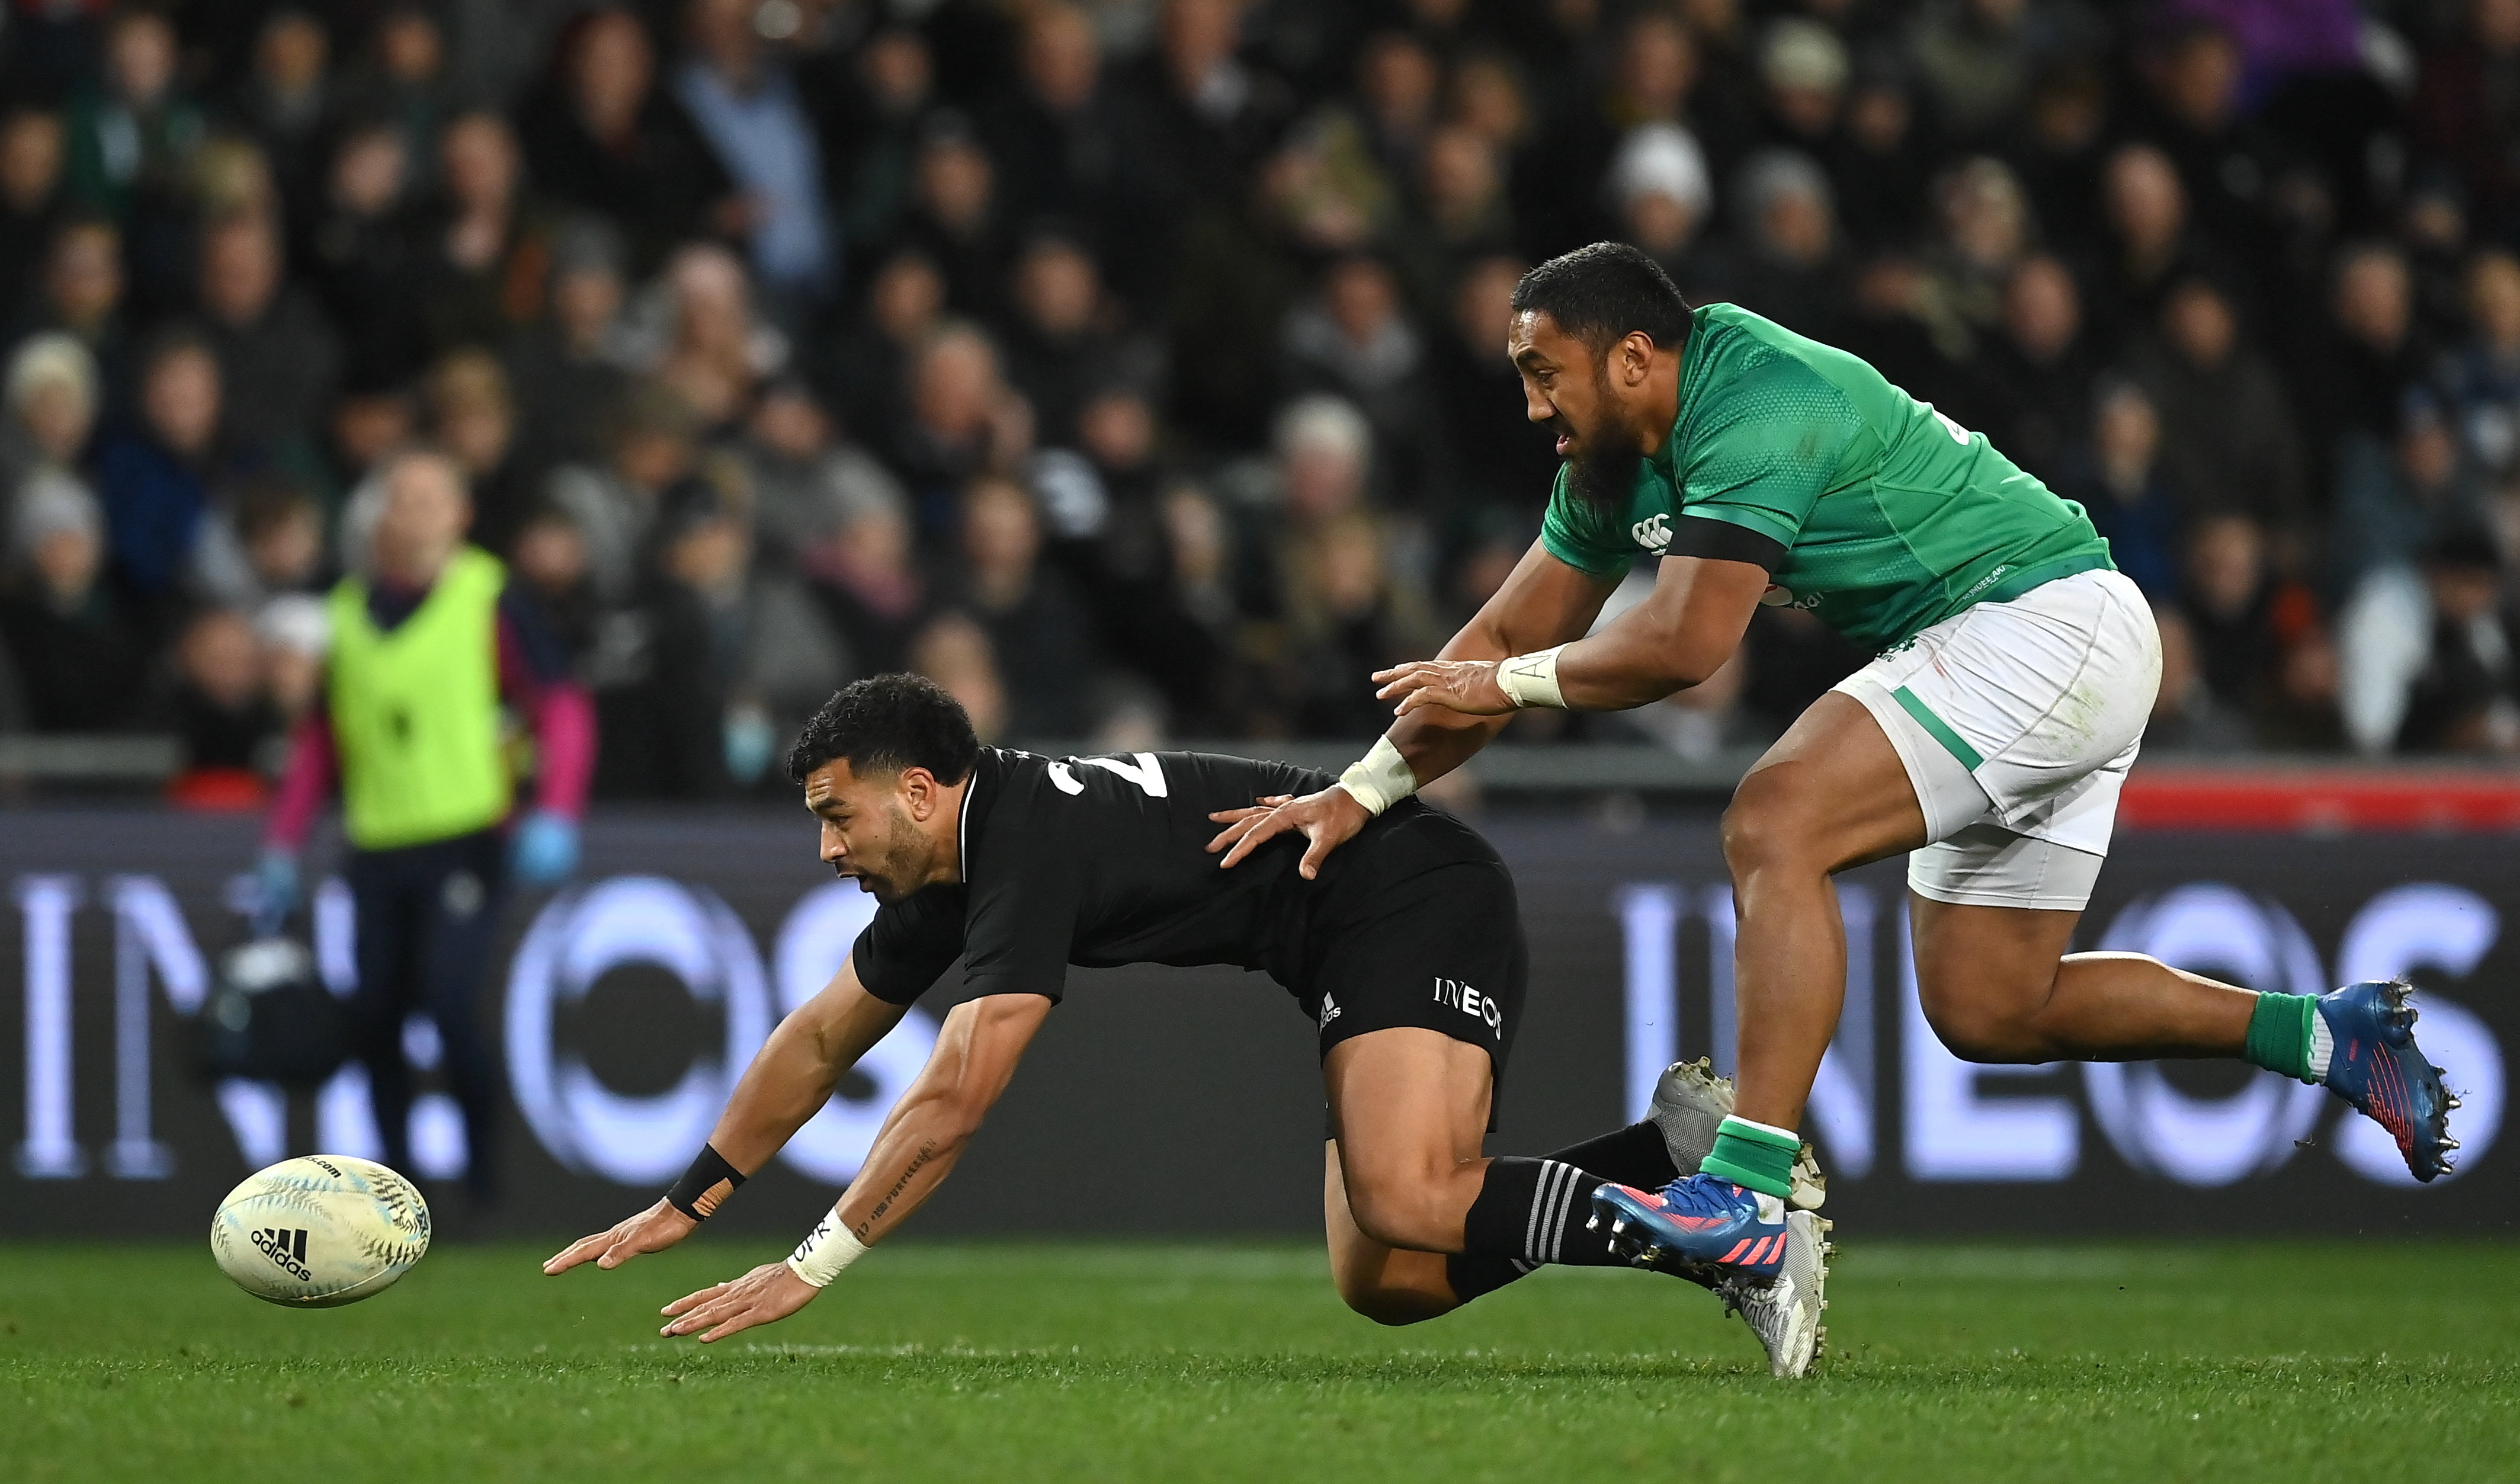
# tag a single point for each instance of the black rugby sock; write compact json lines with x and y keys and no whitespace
{"x":1493,"y":1234}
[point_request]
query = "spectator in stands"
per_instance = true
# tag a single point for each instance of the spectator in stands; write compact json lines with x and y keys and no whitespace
{"x":953,"y":649}
{"x":2353,"y":388}
{"x":1881,"y":166}
{"x":2429,"y":654}
{"x":1062,"y":345}
{"x":76,"y":652}
{"x":745,"y":104}
{"x":360,"y":256}
{"x":1802,"y":71}
{"x":1653,"y":68}
{"x":870,"y":131}
{"x":1462,"y":211}
{"x":2149,"y":244}
{"x":614,"y":504}
{"x":866,"y":375}
{"x":955,"y":220}
{"x":2117,"y":478}
{"x":473,"y":416}
{"x":868,"y":581}
{"x":1661,"y":197}
{"x":285,"y":104}
{"x":1353,"y":341}
{"x":963,"y":421}
{"x":600,"y":135}
{"x":218,"y":710}
{"x":1201,"y":117}
{"x":373,"y":415}
{"x":2259,"y":642}
{"x":2035,"y":378}
{"x":2187,"y":716}
{"x":1786,"y":264}
{"x":33,"y":204}
{"x":1498,"y":459}
{"x":2395,"y":499}
{"x":156,"y":479}
{"x":2228,"y":440}
{"x":51,"y":405}
{"x":805,"y":483}
{"x":261,"y":541}
{"x":1348,"y":615}
{"x":567,"y":368}
{"x":1060,"y":135}
{"x":480,"y":256}
{"x":132,"y":133}
{"x":716,"y":349}
{"x":1037,"y":631}
{"x":1986,"y":234}
{"x":548,"y":555}
{"x":2463,"y":114}
{"x":405,"y":74}
{"x":278,"y":360}
{"x":82,"y":297}
{"x":2482,"y":378}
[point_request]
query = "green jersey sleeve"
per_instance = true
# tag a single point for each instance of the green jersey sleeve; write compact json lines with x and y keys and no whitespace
{"x":1583,"y":537}
{"x":1770,"y":450}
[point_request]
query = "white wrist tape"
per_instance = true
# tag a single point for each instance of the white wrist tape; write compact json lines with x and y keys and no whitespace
{"x":1381,"y":777}
{"x":1531,"y":680}
{"x":829,"y":1248}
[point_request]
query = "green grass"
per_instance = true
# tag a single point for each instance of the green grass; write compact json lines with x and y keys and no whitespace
{"x":1114,"y":1363}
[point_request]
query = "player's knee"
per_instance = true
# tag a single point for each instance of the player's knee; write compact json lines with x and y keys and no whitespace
{"x":1396,"y":1212}
{"x":1392,"y":1306}
{"x":1984,"y":1028}
{"x":1760,"y":831}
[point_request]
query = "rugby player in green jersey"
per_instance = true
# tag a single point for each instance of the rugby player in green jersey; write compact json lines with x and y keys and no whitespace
{"x":1988,"y":741}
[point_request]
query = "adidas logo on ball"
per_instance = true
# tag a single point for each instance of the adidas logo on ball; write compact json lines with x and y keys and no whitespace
{"x":287,"y":1248}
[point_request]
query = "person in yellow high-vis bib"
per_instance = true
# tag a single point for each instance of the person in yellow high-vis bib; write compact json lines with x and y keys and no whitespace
{"x":432,"y":650}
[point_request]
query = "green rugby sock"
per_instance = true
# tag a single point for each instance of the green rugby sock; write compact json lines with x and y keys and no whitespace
{"x":2282,"y":1032}
{"x":1754,"y":1157}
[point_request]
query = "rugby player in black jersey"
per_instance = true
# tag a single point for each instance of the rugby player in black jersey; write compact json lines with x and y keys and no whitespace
{"x":1406,"y":950}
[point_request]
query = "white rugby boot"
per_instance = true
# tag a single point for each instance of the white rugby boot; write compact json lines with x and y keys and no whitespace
{"x":1690,"y":1103}
{"x":1785,"y":1311}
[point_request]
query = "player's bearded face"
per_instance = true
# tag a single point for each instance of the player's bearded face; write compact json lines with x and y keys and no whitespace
{"x":893,"y":864}
{"x":1601,"y":450}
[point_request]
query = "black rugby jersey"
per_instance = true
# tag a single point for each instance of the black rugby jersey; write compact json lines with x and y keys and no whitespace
{"x":1103,"y":861}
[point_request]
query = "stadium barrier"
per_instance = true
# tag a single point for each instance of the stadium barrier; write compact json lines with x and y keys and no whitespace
{"x":624,"y":1005}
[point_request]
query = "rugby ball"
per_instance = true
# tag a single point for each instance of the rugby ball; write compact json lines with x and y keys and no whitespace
{"x":320,"y":1230}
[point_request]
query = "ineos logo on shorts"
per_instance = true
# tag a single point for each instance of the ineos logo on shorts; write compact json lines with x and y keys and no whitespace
{"x":287,"y":1248}
{"x":1471,"y":1003}
{"x":1653,"y":533}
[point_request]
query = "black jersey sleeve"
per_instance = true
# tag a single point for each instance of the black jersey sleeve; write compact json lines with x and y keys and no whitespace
{"x":910,"y":944}
{"x":1024,"y":909}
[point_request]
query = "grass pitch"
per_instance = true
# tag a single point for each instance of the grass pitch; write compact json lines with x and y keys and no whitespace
{"x":1118,"y":1363}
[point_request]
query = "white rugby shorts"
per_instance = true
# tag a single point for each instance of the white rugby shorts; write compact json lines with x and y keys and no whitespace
{"x":2017,"y":723}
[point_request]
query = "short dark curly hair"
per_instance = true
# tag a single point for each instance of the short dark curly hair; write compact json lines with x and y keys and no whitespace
{"x":885,"y":723}
{"x":1598,"y":293}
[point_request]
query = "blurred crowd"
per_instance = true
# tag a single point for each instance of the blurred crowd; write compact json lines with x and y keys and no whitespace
{"x":1135,"y":369}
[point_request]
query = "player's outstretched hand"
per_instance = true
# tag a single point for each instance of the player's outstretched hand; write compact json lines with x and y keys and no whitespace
{"x":765,"y":1296}
{"x":1467,"y":685}
{"x":1329,"y":820}
{"x":652,"y":1230}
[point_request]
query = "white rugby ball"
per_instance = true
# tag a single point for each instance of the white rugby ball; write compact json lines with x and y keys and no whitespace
{"x":320,"y":1230}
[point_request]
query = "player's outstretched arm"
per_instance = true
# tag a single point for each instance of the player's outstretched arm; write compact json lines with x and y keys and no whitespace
{"x":923,"y":1138}
{"x":789,"y":1079}
{"x":1545,"y":602}
{"x":1681,"y":634}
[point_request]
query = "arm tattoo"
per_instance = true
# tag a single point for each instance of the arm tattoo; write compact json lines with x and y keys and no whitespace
{"x":926,"y":1153}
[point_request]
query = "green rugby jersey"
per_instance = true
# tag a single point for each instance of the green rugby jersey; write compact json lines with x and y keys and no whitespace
{"x":1892,"y":516}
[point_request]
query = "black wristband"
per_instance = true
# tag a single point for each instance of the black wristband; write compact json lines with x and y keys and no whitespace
{"x":705,"y":1186}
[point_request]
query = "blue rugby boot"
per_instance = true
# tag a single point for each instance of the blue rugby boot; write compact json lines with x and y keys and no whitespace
{"x":2373,"y":1063}
{"x":1700,"y":1222}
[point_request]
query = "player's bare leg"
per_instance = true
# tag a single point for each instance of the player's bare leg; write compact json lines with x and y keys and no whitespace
{"x":1832,"y":793}
{"x":1411,"y":1107}
{"x":1996,"y":985}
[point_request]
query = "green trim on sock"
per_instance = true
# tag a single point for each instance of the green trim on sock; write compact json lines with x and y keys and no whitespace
{"x":2279,"y":1034}
{"x":1753,"y":1158}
